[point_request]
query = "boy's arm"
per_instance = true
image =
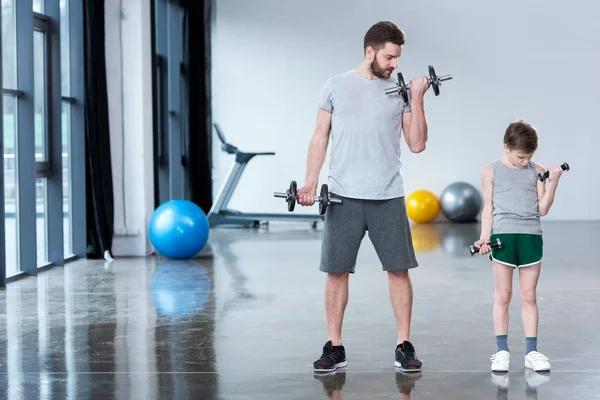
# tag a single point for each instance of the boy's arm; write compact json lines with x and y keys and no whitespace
{"x":487,"y":215}
{"x":546,"y":195}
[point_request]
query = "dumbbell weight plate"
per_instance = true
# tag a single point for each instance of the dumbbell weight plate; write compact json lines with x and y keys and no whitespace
{"x":291,"y":200}
{"x":324,"y":199}
{"x":402,"y":88}
{"x":435,"y":84}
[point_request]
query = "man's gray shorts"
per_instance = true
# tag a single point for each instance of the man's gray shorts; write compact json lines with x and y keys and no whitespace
{"x":388,"y":227}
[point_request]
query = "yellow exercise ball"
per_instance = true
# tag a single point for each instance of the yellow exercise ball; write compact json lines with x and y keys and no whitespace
{"x":422,"y":206}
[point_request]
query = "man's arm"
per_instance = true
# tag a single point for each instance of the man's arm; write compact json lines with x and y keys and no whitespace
{"x":317,"y":151}
{"x":414,"y":124}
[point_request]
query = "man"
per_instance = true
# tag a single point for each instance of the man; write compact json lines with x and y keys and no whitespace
{"x":365,"y":126}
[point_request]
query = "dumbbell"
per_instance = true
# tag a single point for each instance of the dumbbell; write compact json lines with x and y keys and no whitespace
{"x":544,"y":175}
{"x":323,"y":199}
{"x":497,"y":243}
{"x":435,"y":82}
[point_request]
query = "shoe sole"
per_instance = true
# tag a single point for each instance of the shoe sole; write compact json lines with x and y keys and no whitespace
{"x":500,"y":370}
{"x":336,"y":366}
{"x":398,"y":365}
{"x":539,"y":370}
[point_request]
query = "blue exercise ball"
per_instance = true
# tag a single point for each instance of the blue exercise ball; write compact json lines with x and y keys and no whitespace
{"x":180,"y":288}
{"x":178,"y":229}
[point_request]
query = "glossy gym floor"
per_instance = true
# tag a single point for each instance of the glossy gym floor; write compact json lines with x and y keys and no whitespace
{"x":246,"y":321}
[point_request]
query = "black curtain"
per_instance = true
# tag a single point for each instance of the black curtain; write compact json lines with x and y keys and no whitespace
{"x":198,"y":59}
{"x":99,"y":187}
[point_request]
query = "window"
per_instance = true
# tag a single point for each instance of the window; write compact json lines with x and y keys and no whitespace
{"x":10,"y":184}
{"x":41,"y":73}
{"x":9,"y":120}
{"x":65,"y":73}
{"x":38,"y":6}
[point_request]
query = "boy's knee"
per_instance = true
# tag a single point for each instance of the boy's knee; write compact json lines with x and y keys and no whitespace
{"x":528,"y":296}
{"x":503,"y":296}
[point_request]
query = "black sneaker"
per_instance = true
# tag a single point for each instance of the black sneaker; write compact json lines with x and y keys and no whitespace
{"x":406,"y":359}
{"x":333,"y":357}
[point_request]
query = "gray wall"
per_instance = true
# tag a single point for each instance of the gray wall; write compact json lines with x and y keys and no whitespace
{"x":513,"y":59}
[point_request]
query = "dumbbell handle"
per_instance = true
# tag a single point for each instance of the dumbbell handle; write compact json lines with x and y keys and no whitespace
{"x":440,"y":79}
{"x":496,"y":243}
{"x":544,"y":175}
{"x":280,"y":194}
{"x":332,"y":200}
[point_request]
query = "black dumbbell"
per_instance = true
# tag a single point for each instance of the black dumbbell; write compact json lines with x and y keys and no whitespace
{"x":323,"y":199}
{"x":435,"y":82}
{"x":497,"y":243}
{"x":544,"y":175}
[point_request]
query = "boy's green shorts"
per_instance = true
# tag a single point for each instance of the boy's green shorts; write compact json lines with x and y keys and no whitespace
{"x":518,"y":249}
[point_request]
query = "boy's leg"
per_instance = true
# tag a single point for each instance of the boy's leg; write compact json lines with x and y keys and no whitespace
{"x":530,"y":256}
{"x":503,"y":275}
{"x":530,"y":253}
{"x":502,"y":295}
{"x":528,"y":279}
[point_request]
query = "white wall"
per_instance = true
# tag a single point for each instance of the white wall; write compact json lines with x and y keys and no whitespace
{"x":512,"y":59}
{"x":129,"y":81}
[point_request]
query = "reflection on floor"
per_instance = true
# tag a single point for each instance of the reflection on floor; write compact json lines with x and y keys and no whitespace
{"x":246,"y":321}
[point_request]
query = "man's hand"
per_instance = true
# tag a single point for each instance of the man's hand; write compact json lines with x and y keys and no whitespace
{"x":306,"y":195}
{"x":418,"y":86}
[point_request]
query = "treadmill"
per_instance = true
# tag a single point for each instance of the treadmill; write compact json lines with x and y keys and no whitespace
{"x":219,"y":214}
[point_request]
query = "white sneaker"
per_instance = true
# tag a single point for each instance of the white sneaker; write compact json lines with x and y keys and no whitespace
{"x":500,"y":361}
{"x":537,"y":361}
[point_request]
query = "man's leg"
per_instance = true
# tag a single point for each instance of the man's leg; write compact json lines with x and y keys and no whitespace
{"x":336,"y":299}
{"x":401,"y":295}
{"x":389,"y":231}
{"x":342,"y":236}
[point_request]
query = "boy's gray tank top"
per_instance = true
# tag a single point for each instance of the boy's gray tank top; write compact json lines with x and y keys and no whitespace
{"x":515,"y":200}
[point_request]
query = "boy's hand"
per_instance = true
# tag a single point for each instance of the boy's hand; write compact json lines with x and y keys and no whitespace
{"x":484,"y":245}
{"x":555,"y":173}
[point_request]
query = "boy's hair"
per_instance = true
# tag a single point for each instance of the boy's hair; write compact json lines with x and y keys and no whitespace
{"x":521,"y":135}
{"x":383,"y":32}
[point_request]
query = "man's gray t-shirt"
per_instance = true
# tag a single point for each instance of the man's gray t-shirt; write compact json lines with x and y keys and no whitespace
{"x":366,"y":127}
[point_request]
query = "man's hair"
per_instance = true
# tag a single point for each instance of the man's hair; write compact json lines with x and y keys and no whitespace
{"x":521,"y":135}
{"x":383,"y":32}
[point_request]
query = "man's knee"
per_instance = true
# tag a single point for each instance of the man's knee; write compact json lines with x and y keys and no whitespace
{"x":399,"y":274}
{"x":338,"y":277}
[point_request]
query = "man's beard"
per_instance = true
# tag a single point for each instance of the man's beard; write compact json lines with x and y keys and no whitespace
{"x":378,"y":71}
